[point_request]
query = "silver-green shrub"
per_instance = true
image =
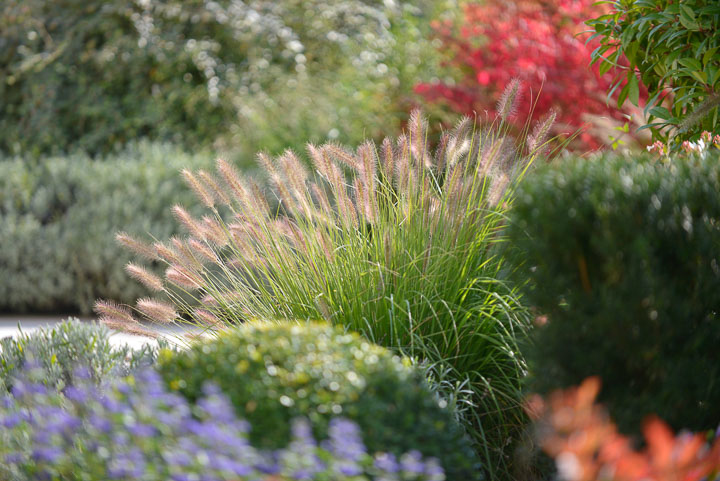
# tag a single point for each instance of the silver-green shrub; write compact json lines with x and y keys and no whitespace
{"x":55,"y":352}
{"x":58,"y":220}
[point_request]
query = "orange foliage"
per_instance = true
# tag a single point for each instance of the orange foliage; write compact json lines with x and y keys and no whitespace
{"x":586,"y":445}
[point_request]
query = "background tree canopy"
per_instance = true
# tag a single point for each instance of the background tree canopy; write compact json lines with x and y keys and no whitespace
{"x":93,"y":74}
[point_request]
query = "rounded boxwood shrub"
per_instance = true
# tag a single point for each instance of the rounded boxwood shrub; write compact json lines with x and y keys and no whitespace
{"x":623,"y":257}
{"x":274,"y":372}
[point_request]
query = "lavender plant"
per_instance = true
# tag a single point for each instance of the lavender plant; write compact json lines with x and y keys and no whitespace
{"x":135,"y":430}
{"x":56,"y":350}
{"x":396,"y":242}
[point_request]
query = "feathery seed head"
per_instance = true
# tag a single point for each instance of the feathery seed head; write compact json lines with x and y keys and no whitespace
{"x":441,"y":152}
{"x":259,"y":206}
{"x":418,"y":131}
{"x":158,"y":311}
{"x":138,"y":247}
{"x":200,"y":191}
{"x":202,"y":249}
{"x":185,"y":255}
{"x":234,"y":181}
{"x":320,"y":160}
{"x":114,"y":311}
{"x":208,"y":318}
{"x":388,"y":157}
{"x":540,"y":132}
{"x":145,"y":277}
{"x":342,"y":155}
{"x":166,"y":253}
{"x":498,"y":188}
{"x":130,"y":328}
{"x":190,"y":224}
{"x":213,"y":187}
{"x":325,"y":244}
{"x":322,"y":199}
{"x":507,"y":105}
{"x":214,"y":231}
{"x":209,"y":300}
{"x":182,"y":277}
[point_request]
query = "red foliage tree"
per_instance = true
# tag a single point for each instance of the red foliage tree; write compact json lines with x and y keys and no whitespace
{"x":535,"y":41}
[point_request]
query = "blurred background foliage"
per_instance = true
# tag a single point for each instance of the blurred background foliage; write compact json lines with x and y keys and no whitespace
{"x":241,"y":76}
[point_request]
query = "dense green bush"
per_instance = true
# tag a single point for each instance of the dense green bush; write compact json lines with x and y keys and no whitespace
{"x":623,"y":256}
{"x":58,"y":350}
{"x":92,"y":74}
{"x":674,"y":47}
{"x":274,"y":372}
{"x":58,"y":220}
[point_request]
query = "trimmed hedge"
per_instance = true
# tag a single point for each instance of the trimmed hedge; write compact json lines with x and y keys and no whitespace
{"x":623,"y":256}
{"x":274,"y":372}
{"x":58,"y":221}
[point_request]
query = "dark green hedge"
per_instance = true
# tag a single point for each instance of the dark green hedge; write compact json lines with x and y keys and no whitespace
{"x":58,"y":221}
{"x":623,"y":256}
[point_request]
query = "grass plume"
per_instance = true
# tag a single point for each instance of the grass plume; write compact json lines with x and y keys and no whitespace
{"x":397,"y":243}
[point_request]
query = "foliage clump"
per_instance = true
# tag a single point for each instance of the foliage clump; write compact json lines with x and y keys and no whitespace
{"x":274,"y":372}
{"x":93,"y":75}
{"x":135,"y":429}
{"x":539,"y":43}
{"x":55,"y":352}
{"x":58,"y":220}
{"x":607,"y":455}
{"x":673,"y":49}
{"x":398,"y":243}
{"x":623,"y":259}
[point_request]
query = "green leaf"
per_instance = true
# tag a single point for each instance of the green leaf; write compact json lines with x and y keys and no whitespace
{"x":709,"y":55}
{"x":700,"y":76}
{"x":660,"y":112}
{"x":623,"y":95}
{"x":634,"y":90}
{"x":687,"y":18}
{"x":604,"y":67}
{"x":690,"y":63}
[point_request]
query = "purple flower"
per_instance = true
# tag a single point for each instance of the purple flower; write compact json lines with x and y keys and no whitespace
{"x":76,"y":394}
{"x":100,"y":423}
{"x":47,"y":454}
{"x":21,"y":389}
{"x":412,"y":463}
{"x":142,"y":430}
{"x":11,"y":420}
{"x":345,"y":440}
{"x":177,"y":458}
{"x":386,"y":462}
{"x":232,"y":466}
{"x":14,"y":458}
{"x":127,"y":465}
{"x":83,"y":373}
{"x":216,"y":406}
{"x":349,"y":468}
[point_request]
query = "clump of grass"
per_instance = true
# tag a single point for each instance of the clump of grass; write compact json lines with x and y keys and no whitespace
{"x":395,"y":242}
